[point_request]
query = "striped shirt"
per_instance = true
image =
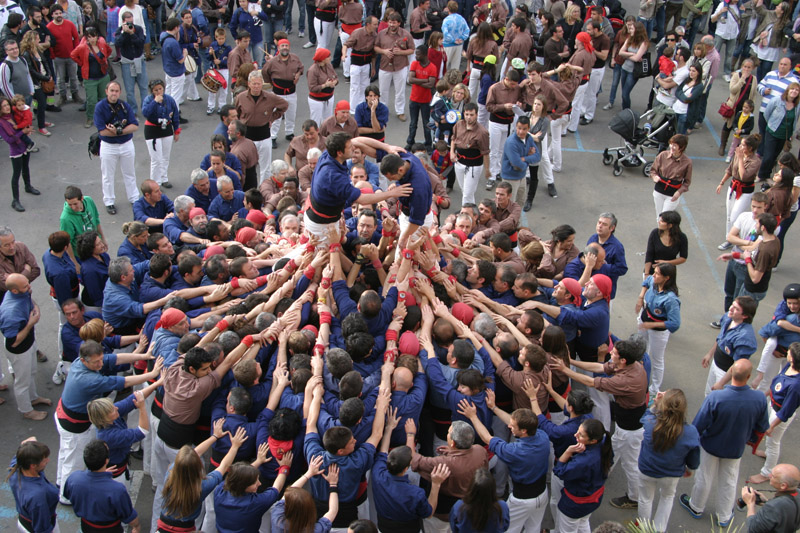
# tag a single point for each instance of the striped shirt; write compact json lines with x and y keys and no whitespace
{"x":777,"y":83}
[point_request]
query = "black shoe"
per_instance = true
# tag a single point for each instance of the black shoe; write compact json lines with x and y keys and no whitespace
{"x":715,"y":324}
{"x":528,"y":206}
{"x":53,"y":108}
{"x":33,"y":148}
{"x":290,"y":137}
{"x":138,"y":454}
{"x":184,"y":120}
{"x":623,"y":502}
{"x":17,"y":206}
{"x":764,"y":187}
{"x":584,"y":122}
{"x":551,"y":190}
{"x":166,"y":185}
{"x":32,"y":190}
{"x":111,"y":209}
{"x":274,"y":144}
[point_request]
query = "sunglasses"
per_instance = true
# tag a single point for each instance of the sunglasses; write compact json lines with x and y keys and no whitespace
{"x":673,"y":40}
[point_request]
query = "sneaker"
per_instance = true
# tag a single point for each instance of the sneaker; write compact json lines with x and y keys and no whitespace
{"x":608,"y":106}
{"x":43,"y":131}
{"x":490,"y":185}
{"x":111,"y":209}
{"x":727,"y":78}
{"x":715,"y":324}
{"x":309,"y":44}
{"x":623,"y":502}
{"x":728,"y":159}
{"x":194,"y":99}
{"x":274,"y":144}
{"x":551,"y":190}
{"x":288,"y":32}
{"x":53,"y":108}
{"x":59,"y":376}
{"x":209,"y":112}
{"x":725,"y":523}
{"x":63,"y":501}
{"x":684,"y":499}
{"x":301,"y":34}
{"x":48,"y":124}
{"x":529,"y":205}
{"x":764,"y":187}
{"x":40,"y":357}
{"x":89,"y":123}
{"x":725,"y":246}
{"x":290,"y":137}
{"x":401,"y":117}
{"x":184,"y":120}
{"x":585,"y":121}
{"x":166,"y":185}
{"x":82,"y":107}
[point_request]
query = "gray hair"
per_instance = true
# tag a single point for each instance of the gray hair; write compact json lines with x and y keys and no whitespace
{"x":639,"y":342}
{"x":197,"y":175}
{"x":5,"y":231}
{"x":313,"y":152}
{"x":264,"y":320}
{"x":462,"y":434}
{"x":210,"y":322}
{"x":255,"y":74}
{"x":118,"y":268}
{"x":484,"y":326}
{"x":609,"y":215}
{"x":277,"y":166}
{"x":183,"y":203}
{"x":228,"y":340}
{"x":224,"y":180}
{"x":464,"y":216}
{"x":289,"y":218}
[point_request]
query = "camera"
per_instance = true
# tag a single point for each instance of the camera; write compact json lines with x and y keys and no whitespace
{"x":164,"y":123}
{"x":119,"y":126}
{"x":742,"y":506}
{"x":129,"y":25}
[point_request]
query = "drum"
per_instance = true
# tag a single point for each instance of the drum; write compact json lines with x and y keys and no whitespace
{"x":212,"y":80}
{"x":190,"y":64}
{"x":452,"y":116}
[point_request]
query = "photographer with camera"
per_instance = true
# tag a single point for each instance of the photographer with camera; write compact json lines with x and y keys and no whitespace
{"x":162,"y":127}
{"x":781,"y":514}
{"x":115,"y":122}
{"x":130,"y":40}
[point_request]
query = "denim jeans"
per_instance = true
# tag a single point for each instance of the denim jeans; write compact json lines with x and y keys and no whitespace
{"x":617,"y":74}
{"x":772,"y":149}
{"x":735,"y":275}
{"x":729,"y":45}
{"x":287,"y":17}
{"x":270,"y":26}
{"x":311,"y":11}
{"x":764,"y":68}
{"x":131,"y":83}
{"x":415,"y":108}
{"x":660,"y":21}
{"x":681,"y":123}
{"x":757,"y":296}
{"x":41,"y":106}
{"x":628,"y":81}
{"x":648,"y":25}
{"x":205,"y":63}
{"x":786,"y":223}
{"x":743,"y":48}
{"x":66,"y":69}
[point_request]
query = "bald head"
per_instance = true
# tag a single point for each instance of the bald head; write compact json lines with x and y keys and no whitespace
{"x":17,"y":283}
{"x":740,"y":372}
{"x":786,"y":474}
{"x":403,"y":379}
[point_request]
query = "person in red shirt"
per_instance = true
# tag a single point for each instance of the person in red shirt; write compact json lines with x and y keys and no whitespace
{"x":66,"y":39}
{"x":422,"y":77}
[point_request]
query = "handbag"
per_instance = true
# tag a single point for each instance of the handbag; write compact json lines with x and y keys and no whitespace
{"x":725,"y":110}
{"x":48,"y":86}
{"x":643,"y":68}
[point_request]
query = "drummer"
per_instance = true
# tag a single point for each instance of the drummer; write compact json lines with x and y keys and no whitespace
{"x":219,"y":57}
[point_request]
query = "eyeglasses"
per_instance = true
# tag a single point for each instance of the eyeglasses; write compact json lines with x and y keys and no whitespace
{"x":668,"y":40}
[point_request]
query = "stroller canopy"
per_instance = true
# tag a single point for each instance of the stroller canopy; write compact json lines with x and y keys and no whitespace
{"x":624,"y":124}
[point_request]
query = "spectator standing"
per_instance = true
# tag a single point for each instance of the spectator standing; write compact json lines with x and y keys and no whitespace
{"x":162,"y":128}
{"x":394,"y":44}
{"x":422,"y":77}
{"x":189,"y":38}
{"x":173,"y":57}
{"x":727,"y":17}
{"x":115,"y":121}
{"x":455,"y":31}
{"x":15,"y":77}
{"x":66,"y":38}
{"x":92,"y":58}
{"x":130,"y":40}
{"x":18,"y":152}
{"x":15,"y":258}
{"x":41,"y":75}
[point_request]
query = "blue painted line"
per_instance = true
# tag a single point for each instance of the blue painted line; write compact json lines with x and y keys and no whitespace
{"x":706,"y":255}
{"x":578,"y":142}
{"x":711,"y":130}
{"x":694,"y":157}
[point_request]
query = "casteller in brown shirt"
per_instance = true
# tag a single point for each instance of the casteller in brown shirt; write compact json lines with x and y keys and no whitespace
{"x":402,"y":40}
{"x":282,"y":73}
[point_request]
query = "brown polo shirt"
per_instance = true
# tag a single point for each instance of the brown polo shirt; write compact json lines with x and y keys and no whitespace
{"x":462,"y":465}
{"x":184,"y":393}
{"x":551,"y":51}
{"x":508,"y":217}
{"x":628,"y":385}
{"x":418,"y":22}
{"x":304,"y":177}
{"x":386,"y":40}
{"x":273,"y":201}
{"x":269,"y":187}
{"x":498,"y":96}
{"x":246,"y":151}
{"x":751,"y":166}
{"x":281,"y":74}
{"x":361,"y":41}
{"x":299,"y":147}
{"x":549,"y":267}
{"x":476,"y":53}
{"x":678,"y":172}
{"x":237,"y":58}
{"x":466,"y":140}
{"x":317,"y":76}
{"x":515,"y":379}
{"x":520,"y":47}
{"x":515,"y":261}
{"x":329,"y":125}
{"x":601,"y":44}
{"x":585,"y":60}
{"x":260,"y":110}
{"x":491,"y":227}
{"x":438,"y":189}
{"x":350,"y":13}
{"x":547,"y":88}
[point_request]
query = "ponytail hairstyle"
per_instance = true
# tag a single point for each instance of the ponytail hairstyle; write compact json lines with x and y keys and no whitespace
{"x":480,"y":502}
{"x":580,"y":401}
{"x":670,"y":414}
{"x":30,"y":453}
{"x":595,"y":431}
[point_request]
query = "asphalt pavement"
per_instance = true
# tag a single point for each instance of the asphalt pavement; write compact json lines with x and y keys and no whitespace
{"x":585,"y":189}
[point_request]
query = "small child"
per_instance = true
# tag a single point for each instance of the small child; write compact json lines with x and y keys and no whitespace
{"x":742,"y":126}
{"x":89,"y":18}
{"x":777,"y":337}
{"x":441,"y":158}
{"x":440,"y":105}
{"x":112,"y":23}
{"x":666,"y":66}
{"x":218,"y":53}
{"x":23,"y":117}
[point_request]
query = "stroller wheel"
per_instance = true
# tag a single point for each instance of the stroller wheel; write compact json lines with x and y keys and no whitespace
{"x":607,"y":158}
{"x":617,"y":170}
{"x":646,"y":169}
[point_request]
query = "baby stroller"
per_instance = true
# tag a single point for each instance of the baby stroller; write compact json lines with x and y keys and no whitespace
{"x":651,"y":136}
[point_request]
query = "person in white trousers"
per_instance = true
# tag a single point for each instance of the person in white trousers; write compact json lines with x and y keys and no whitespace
{"x":781,"y":412}
{"x":659,"y":311}
{"x":582,"y":62}
{"x":164,"y":128}
{"x":725,"y":422}
{"x":359,"y":47}
{"x":602,"y":46}
{"x":469,"y":150}
{"x":672,"y":174}
{"x":395,"y":45}
{"x":324,"y":22}
{"x":500,"y":100}
{"x":736,"y":340}
{"x":742,"y":170}
{"x":115,"y":121}
{"x":19,"y":314}
{"x":218,"y":53}
{"x":322,"y":80}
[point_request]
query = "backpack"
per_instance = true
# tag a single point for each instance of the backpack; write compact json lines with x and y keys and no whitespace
{"x":94,"y":145}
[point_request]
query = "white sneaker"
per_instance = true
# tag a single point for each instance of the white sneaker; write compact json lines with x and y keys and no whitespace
{"x":59,"y":375}
{"x":727,"y":159}
{"x":309,"y":45}
{"x":301,"y":34}
{"x":608,"y":106}
{"x":727,"y":77}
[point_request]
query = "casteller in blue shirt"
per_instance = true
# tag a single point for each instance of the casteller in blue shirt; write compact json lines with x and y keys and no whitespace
{"x":412,"y":172}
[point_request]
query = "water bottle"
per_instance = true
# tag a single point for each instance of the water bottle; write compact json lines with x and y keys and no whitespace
{"x":647,"y":128}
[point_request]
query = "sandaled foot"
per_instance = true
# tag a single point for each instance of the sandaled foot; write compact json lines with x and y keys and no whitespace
{"x":42,"y":401}
{"x":757,"y":479}
{"x":762,"y":454}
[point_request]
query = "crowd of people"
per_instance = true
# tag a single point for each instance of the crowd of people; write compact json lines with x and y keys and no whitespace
{"x":312,"y":343}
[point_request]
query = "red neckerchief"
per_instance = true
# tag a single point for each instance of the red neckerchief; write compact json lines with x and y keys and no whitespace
{"x":279,"y":447}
